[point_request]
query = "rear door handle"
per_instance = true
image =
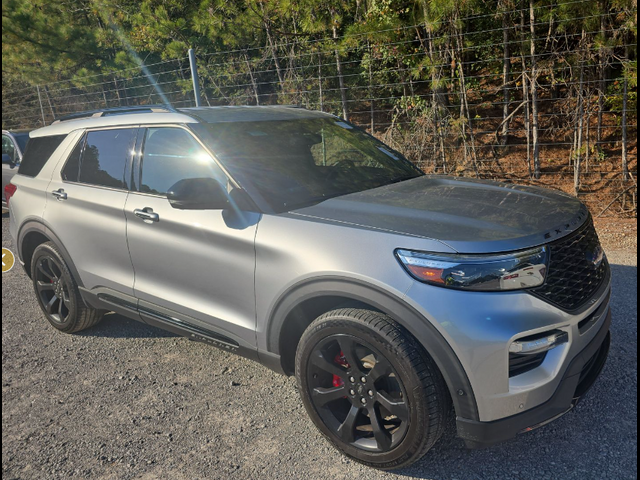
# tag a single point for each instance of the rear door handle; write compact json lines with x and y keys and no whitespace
{"x":147,"y":214}
{"x":60,"y":194}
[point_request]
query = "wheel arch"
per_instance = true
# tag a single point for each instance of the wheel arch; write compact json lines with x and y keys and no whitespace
{"x":305,"y":301}
{"x":34,"y":233}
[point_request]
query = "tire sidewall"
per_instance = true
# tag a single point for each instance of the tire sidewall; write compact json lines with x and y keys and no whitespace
{"x":418,"y":414}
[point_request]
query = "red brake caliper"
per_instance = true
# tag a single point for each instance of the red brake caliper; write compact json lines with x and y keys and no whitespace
{"x":342,"y":361}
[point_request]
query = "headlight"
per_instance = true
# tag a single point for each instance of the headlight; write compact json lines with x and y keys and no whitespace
{"x":514,"y":271}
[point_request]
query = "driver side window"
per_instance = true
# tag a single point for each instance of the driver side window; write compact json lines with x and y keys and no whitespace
{"x":172,"y":154}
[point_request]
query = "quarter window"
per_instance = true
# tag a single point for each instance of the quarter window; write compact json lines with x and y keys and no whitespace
{"x":100,"y":158}
{"x":171,"y":155}
{"x":38,"y":152}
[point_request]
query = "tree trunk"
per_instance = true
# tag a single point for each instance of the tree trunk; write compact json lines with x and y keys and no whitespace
{"x":464,"y":105}
{"x":506,"y":77}
{"x":343,"y":90}
{"x":534,"y":94}
{"x":51,"y":107}
{"x":253,"y":80}
{"x":625,"y":103}
{"x":525,"y":96}
{"x":580,"y":113}
{"x":371,"y":100}
{"x":115,"y":82}
{"x":272,"y":47}
{"x":603,"y":76}
{"x":436,"y":94}
{"x":320,"y":92}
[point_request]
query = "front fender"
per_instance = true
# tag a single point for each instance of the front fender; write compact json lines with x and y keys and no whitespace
{"x":392,"y":305}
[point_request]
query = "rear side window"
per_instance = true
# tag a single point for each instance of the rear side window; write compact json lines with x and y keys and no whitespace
{"x":101,"y":157}
{"x":39,"y":149}
{"x":171,"y":155}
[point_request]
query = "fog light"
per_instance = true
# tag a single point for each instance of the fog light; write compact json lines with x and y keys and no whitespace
{"x":539,"y":344}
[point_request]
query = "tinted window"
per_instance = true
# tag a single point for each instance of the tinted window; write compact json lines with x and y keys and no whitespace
{"x":39,"y":150}
{"x":295,"y":163}
{"x":171,"y":155}
{"x":71,"y":170}
{"x":21,"y":140}
{"x":104,"y":157}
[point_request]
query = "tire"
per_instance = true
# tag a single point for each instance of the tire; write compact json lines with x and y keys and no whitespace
{"x":407,"y":407}
{"x":57,"y":292}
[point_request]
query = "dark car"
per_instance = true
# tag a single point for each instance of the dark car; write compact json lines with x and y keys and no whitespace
{"x":13,"y":147}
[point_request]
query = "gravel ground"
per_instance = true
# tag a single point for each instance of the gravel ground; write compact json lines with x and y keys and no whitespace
{"x":124,"y":400}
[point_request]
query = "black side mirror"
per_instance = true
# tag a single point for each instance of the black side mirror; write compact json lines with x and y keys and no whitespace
{"x":198,"y":194}
{"x":6,"y":159}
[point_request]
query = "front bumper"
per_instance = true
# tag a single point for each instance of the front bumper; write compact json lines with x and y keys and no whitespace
{"x":580,"y":375}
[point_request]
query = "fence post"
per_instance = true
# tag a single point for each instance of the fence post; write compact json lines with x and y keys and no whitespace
{"x":44,"y":122}
{"x":194,"y":76}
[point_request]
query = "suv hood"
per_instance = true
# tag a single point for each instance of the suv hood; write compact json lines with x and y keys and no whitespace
{"x":468,"y":215}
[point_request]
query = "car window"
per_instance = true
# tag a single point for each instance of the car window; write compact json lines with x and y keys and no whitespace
{"x":9,"y":148}
{"x":172,"y":154}
{"x":21,"y":139}
{"x":101,"y":158}
{"x":71,"y":170}
{"x":297,"y":163}
{"x":38,"y":151}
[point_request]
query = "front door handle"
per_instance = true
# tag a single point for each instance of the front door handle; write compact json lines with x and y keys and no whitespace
{"x":147,"y":214}
{"x":60,"y":194}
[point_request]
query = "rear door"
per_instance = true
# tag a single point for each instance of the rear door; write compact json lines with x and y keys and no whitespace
{"x":85,"y":208}
{"x":191,"y":266}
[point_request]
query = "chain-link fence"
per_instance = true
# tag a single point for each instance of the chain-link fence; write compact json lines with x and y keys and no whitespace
{"x":519,"y":96}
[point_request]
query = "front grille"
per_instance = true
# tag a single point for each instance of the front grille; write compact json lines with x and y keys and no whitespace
{"x":519,"y":364}
{"x":573,"y":279}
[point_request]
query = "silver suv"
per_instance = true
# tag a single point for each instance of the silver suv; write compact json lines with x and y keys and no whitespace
{"x":295,"y":239}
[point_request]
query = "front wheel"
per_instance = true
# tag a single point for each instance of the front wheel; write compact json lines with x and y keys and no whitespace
{"x":370,"y":388}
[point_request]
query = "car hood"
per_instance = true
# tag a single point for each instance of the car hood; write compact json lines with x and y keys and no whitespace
{"x":468,"y":215}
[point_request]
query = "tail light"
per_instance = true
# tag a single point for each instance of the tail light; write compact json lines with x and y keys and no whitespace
{"x":9,"y":190}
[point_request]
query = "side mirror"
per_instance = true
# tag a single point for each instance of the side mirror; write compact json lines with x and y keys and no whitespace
{"x":198,"y":194}
{"x":6,"y":159}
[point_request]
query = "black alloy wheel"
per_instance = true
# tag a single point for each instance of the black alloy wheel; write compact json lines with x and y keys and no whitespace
{"x":52,"y":289}
{"x":357,"y":393}
{"x":58,"y":293}
{"x":371,"y":388}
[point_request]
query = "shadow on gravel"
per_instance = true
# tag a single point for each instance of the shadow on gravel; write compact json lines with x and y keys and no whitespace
{"x":117,"y":326}
{"x":603,"y":424}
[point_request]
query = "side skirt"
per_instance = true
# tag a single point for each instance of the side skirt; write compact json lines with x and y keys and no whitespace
{"x":154,"y":315}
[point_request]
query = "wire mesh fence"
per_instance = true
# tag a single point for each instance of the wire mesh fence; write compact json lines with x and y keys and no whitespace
{"x":519,"y":96}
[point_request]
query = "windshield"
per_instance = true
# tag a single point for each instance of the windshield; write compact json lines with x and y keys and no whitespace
{"x":293,"y":164}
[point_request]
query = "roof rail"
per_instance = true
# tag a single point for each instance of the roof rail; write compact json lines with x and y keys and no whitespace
{"x":116,"y":111}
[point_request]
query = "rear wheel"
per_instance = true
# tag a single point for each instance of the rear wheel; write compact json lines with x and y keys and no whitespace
{"x":57,"y":291}
{"x":370,"y":388}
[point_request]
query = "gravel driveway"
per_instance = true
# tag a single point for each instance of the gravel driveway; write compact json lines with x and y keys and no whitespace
{"x":124,"y":400}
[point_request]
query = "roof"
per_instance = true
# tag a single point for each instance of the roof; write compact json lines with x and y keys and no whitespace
{"x":183,"y":115}
{"x":251,"y":114}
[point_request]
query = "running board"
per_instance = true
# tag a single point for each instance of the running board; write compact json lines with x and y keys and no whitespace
{"x":130,"y":307}
{"x":188,"y":330}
